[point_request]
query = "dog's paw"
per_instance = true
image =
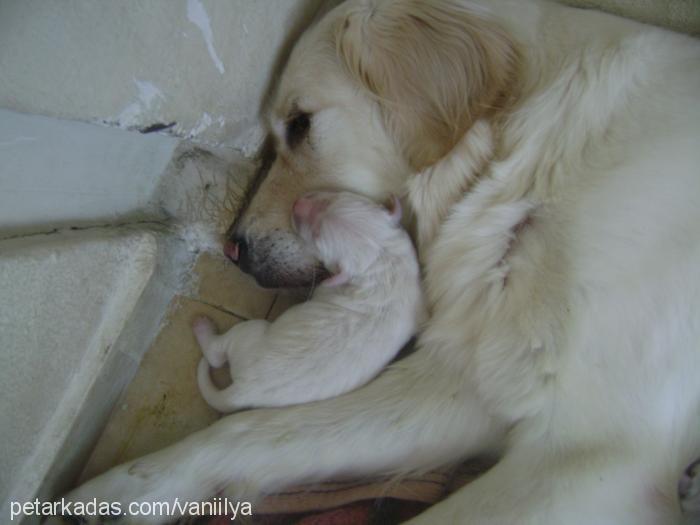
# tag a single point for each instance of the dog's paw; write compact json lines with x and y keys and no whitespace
{"x":689,"y":489}
{"x":143,"y":492}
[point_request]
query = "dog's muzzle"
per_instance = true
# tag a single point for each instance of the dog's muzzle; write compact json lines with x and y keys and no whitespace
{"x":277,"y":260}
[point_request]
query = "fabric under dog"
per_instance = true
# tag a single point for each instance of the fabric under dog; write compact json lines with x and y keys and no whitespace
{"x":362,"y":502}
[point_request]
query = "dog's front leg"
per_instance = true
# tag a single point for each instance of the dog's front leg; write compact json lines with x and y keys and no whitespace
{"x":416,"y":415}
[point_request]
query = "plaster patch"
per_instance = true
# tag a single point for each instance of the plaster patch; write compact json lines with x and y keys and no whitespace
{"x":148,"y":94}
{"x":201,"y":125}
{"x":250,"y":140}
{"x":198,"y":16}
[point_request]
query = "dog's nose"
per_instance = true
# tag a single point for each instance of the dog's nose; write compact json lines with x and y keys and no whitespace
{"x":235,"y":248}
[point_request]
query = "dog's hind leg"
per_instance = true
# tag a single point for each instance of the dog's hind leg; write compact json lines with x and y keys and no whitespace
{"x":218,"y":349}
{"x":596,"y":484}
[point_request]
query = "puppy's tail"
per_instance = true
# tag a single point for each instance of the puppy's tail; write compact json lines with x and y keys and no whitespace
{"x":221,"y":400}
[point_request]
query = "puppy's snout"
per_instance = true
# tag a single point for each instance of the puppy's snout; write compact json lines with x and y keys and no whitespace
{"x":303,"y":210}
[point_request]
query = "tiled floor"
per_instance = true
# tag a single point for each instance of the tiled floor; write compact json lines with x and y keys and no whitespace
{"x":162,"y":404}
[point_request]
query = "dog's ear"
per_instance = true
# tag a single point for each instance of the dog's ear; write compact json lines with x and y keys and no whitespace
{"x":434,"y":66}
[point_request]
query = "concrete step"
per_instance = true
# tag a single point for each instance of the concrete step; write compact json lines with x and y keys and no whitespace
{"x":66,"y":298}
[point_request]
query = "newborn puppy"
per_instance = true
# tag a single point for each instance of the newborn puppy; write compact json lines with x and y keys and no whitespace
{"x":353,"y":325}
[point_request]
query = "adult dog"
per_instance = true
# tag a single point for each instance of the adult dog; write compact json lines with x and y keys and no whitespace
{"x":562,"y":262}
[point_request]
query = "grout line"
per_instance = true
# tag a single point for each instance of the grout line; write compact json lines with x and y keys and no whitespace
{"x":53,"y":231}
{"x":269,"y":310}
{"x":217,"y":307}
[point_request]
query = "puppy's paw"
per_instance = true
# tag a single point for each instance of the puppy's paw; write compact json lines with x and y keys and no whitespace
{"x":204,"y":330}
{"x":689,"y":489}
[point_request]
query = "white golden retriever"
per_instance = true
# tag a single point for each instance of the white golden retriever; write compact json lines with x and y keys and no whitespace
{"x":561,"y":246}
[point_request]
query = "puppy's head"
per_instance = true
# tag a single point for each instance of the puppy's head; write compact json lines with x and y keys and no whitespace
{"x":374,"y":91}
{"x":345,"y":231}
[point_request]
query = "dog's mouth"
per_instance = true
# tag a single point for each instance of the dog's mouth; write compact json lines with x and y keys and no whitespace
{"x":277,"y":260}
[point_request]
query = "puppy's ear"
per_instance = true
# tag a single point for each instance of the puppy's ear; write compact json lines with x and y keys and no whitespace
{"x":434,"y":66}
{"x":338,"y":279}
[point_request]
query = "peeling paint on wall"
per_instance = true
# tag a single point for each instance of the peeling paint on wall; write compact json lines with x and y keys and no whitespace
{"x":202,"y":125}
{"x":198,"y":16}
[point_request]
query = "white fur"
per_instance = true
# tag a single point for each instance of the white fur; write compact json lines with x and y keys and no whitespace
{"x":564,"y":288}
{"x":343,"y":335}
{"x":433,"y":191}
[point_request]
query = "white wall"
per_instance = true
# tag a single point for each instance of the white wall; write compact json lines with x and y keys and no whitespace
{"x":203,"y":64}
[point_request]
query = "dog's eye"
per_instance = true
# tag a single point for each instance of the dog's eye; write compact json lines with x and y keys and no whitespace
{"x":297,"y":129}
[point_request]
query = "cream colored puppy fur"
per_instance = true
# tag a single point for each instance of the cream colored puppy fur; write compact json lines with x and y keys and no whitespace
{"x":352,"y":326}
{"x":562,"y":279}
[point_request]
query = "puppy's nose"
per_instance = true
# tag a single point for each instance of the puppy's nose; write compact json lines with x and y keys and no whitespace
{"x":235,"y":248}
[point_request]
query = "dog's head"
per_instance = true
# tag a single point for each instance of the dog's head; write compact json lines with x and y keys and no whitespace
{"x":375,"y":91}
